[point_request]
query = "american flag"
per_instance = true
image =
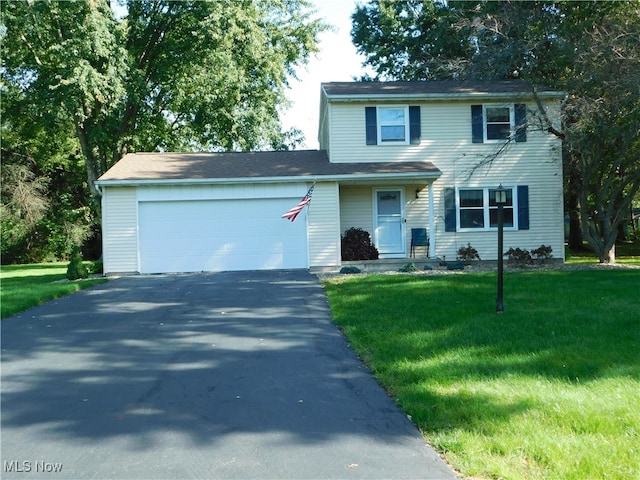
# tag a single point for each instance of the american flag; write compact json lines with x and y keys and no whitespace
{"x":293,"y":212}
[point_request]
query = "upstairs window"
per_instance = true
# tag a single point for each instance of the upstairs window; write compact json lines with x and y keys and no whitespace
{"x":498,"y":123}
{"x":392,"y":125}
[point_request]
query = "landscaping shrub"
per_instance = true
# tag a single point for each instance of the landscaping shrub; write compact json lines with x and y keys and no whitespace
{"x":356,"y":245}
{"x":408,"y":268}
{"x":350,"y":269}
{"x":518,"y":257}
{"x":542,"y":253}
{"x":468,"y":253}
{"x":76,"y":268}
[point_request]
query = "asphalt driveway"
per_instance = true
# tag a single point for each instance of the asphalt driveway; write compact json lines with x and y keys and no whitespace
{"x":227,"y":375}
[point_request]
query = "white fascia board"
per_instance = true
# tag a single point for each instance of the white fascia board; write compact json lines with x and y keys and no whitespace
{"x":245,"y":180}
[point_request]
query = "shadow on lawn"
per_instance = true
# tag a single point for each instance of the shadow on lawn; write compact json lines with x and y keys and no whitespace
{"x":428,"y":334}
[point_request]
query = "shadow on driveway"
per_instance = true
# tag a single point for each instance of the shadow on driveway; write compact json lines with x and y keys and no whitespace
{"x":225,"y":375}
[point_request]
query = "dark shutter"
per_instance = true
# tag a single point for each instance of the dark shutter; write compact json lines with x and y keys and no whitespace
{"x":449,"y":209}
{"x":477,"y":134}
{"x":371,"y":125}
{"x":523,"y":207}
{"x":521,"y":122}
{"x":414,"y":125}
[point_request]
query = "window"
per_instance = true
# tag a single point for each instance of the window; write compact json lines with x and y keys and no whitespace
{"x":495,"y":123}
{"x":392,"y":125}
{"x":477,"y":209}
{"x":498,"y":122}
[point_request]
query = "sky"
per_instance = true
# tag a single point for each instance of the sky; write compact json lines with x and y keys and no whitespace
{"x":336,"y":61}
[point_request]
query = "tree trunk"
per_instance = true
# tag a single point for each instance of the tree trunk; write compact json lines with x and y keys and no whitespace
{"x":90,"y":157}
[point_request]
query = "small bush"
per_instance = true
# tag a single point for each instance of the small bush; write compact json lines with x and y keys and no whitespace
{"x":518,"y":257}
{"x":356,"y":245}
{"x":76,"y":268}
{"x":542,"y":253}
{"x":468,"y":253}
{"x":350,"y":270}
{"x":455,"y":265}
{"x":408,"y":268}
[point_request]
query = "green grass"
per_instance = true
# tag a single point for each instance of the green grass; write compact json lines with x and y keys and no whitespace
{"x":25,"y":286}
{"x":548,"y":390}
{"x":626,"y":254}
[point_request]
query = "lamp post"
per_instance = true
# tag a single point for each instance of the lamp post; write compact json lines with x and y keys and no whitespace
{"x":501,"y":200}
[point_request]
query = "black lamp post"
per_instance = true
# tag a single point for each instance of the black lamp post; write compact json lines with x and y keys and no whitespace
{"x":501,"y":200}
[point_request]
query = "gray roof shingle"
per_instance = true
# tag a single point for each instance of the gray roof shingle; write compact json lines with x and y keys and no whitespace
{"x":148,"y":167}
{"x":452,"y":88}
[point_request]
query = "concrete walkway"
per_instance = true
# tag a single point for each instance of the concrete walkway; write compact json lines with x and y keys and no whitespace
{"x":228,"y":375}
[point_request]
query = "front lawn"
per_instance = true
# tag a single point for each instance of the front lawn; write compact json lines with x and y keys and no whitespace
{"x":548,"y":390}
{"x":25,"y":286}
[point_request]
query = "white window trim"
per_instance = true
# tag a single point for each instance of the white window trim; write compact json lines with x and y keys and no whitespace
{"x":486,"y":209}
{"x":512,"y":121}
{"x":406,"y":124}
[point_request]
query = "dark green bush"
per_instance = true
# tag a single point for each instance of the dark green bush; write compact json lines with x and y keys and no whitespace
{"x":408,"y":268}
{"x":356,"y":245}
{"x":76,"y":268}
{"x":350,"y":269}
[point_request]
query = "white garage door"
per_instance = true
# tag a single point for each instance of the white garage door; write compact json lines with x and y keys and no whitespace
{"x":216,"y":235}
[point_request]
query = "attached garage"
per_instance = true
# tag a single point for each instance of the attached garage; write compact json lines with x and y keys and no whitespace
{"x":216,"y":235}
{"x":194,"y":212}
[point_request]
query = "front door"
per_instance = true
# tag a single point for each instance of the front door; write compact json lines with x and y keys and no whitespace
{"x":389,"y":223}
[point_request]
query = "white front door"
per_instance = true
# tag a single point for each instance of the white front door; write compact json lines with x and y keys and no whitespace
{"x":389,"y":235}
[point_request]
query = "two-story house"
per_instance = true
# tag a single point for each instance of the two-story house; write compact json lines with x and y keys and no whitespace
{"x":393,"y":157}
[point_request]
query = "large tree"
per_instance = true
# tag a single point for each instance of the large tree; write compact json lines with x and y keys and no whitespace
{"x":81,"y":87}
{"x":189,"y":75}
{"x":591,"y":50}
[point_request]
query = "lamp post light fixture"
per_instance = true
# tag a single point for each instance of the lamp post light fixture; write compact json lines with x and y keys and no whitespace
{"x":501,"y":200}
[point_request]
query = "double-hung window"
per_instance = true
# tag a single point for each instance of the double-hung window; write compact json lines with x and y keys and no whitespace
{"x":498,"y":123}
{"x":477,"y":209}
{"x":393,"y":125}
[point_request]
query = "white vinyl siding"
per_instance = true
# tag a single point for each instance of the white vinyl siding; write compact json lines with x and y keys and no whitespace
{"x":446,"y":141}
{"x":119,"y":230}
{"x":324,"y":226}
{"x":535,"y":163}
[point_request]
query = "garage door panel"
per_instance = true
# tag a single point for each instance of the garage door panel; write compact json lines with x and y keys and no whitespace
{"x":187,"y":236}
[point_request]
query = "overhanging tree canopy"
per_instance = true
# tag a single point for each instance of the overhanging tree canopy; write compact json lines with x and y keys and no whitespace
{"x":189,"y":75}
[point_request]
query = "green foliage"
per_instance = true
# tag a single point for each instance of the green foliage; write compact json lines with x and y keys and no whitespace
{"x":81,"y":88}
{"x":408,"y":268}
{"x":356,"y":244}
{"x":530,"y":394}
{"x":350,"y":270}
{"x":76,"y":269}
